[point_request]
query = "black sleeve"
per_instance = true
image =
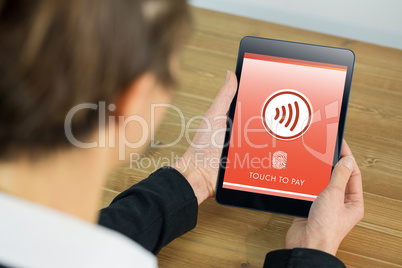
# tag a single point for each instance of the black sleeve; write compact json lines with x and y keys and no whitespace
{"x":301,"y":257}
{"x":154,"y":211}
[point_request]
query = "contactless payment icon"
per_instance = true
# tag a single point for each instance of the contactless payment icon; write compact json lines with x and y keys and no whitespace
{"x":287,"y":114}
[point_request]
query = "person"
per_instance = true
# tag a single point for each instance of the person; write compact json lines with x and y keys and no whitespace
{"x":77,"y":80}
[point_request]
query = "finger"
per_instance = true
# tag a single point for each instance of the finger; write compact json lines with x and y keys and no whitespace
{"x":345,"y":149}
{"x":355,"y":185}
{"x":225,"y":95}
{"x":342,"y":172}
{"x":354,"y":194}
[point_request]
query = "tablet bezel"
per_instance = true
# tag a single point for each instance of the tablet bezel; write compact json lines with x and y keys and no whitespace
{"x":291,"y":50}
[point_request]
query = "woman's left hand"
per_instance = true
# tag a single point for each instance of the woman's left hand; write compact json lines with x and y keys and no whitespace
{"x":200,"y":163}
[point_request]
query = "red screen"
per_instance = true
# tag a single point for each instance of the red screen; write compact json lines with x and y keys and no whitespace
{"x":285,"y":127}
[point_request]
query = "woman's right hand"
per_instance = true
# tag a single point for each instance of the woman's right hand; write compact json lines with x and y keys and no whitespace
{"x":335,"y":211}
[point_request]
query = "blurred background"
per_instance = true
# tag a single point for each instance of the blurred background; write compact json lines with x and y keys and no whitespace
{"x":373,"y":21}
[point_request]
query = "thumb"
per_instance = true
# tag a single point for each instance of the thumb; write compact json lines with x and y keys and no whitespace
{"x":342,"y":172}
{"x":226,"y":94}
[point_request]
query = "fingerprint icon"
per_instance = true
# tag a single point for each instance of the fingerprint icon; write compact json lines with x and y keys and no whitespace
{"x":279,"y":160}
{"x":287,"y":114}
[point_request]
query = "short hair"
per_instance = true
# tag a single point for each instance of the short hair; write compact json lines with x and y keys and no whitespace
{"x":57,"y":54}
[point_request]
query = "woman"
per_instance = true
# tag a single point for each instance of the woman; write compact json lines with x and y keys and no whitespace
{"x":61,"y":63}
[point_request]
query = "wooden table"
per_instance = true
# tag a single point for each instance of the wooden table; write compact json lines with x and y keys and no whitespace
{"x":234,"y":237}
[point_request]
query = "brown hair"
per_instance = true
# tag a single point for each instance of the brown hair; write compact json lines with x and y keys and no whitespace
{"x":57,"y":54}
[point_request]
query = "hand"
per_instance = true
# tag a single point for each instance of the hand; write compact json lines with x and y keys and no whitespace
{"x":335,"y":211}
{"x":200,"y":163}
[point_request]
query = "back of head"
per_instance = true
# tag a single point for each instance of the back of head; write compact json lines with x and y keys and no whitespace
{"x":58,"y":54}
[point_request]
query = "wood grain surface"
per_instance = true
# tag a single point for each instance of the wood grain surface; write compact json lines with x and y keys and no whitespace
{"x":234,"y":237}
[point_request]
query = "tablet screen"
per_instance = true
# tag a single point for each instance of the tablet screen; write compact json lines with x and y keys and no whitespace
{"x":285,"y":127}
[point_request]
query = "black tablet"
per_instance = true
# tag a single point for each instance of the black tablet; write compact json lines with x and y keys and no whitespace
{"x":285,"y":125}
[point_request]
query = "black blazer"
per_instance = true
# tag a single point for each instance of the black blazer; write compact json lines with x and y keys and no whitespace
{"x":163,"y":207}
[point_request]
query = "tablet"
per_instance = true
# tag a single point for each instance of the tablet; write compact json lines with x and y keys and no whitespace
{"x":285,"y":125}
